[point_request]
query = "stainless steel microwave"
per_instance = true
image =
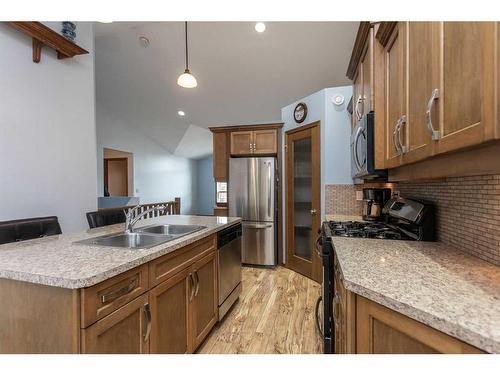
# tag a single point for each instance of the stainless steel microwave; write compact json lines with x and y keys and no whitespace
{"x":363,"y":150}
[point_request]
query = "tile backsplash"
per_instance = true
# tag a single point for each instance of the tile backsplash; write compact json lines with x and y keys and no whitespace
{"x":467,"y":209}
{"x":341,"y":199}
{"x":467,"y":212}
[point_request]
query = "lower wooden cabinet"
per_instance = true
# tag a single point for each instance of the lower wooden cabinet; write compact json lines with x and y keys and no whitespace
{"x":380,"y":330}
{"x":204,"y":301}
{"x":170,"y":315}
{"x":174,"y":317}
{"x":363,"y":326}
{"x":125,"y":331}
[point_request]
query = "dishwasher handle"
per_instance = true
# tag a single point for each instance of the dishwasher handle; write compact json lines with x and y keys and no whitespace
{"x":228,"y":235}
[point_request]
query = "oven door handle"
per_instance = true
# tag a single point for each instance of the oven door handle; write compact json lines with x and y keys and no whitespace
{"x":316,"y":315}
{"x":318,"y":246}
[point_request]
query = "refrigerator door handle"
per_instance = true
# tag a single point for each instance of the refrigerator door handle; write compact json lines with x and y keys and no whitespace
{"x":269,"y":189}
{"x":258,"y":226}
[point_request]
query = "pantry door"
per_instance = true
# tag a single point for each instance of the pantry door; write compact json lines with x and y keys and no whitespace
{"x":302,"y":192}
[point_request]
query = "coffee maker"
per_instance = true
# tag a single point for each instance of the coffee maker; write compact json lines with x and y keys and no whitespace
{"x":373,"y":202}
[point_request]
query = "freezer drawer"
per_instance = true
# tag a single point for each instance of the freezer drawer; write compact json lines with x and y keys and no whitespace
{"x":258,"y":243}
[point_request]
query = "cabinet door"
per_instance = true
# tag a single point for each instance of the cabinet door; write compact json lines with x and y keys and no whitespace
{"x":423,"y":79}
{"x":395,"y":95}
{"x":265,"y":142}
{"x":220,"y":156}
{"x":381,"y":330}
{"x":241,"y":143}
{"x":357,"y":95}
{"x":125,"y":331}
{"x":204,"y":303}
{"x":169,"y":309}
{"x":367,"y":68}
{"x":467,"y":98}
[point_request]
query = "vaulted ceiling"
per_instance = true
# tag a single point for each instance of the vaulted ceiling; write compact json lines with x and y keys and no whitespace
{"x":243,"y":76}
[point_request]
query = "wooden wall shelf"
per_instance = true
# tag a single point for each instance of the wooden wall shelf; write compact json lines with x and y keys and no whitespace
{"x":45,"y":36}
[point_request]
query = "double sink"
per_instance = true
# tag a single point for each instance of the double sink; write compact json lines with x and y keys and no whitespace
{"x":145,"y":237}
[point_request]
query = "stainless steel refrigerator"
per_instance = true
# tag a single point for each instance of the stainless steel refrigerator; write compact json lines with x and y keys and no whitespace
{"x":252,"y":190}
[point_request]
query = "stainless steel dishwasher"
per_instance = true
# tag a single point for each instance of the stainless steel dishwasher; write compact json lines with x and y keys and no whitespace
{"x":229,"y":262}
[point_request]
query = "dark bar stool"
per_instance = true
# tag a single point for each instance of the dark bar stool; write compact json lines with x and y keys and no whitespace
{"x":108,"y":216}
{"x":27,"y":229}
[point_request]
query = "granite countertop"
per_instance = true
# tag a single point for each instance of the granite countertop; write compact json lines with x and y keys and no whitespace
{"x":58,"y":261}
{"x":428,"y":281}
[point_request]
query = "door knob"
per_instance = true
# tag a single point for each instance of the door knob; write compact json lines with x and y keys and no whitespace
{"x":313,"y":212}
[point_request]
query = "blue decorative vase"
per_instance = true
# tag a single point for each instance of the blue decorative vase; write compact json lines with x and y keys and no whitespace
{"x":69,"y":30}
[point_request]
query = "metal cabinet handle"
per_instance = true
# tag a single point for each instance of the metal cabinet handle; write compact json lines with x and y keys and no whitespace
{"x":313,"y":211}
{"x":394,"y":136}
{"x":192,"y":286}
{"x":401,"y":124}
{"x":316,"y":315}
{"x":147,"y":314}
{"x":111,"y":296}
{"x":434,"y":133}
{"x":359,"y":115}
{"x":197,"y":280}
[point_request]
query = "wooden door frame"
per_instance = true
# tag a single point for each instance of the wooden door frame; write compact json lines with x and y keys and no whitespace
{"x":106,"y":172}
{"x":315,"y":264}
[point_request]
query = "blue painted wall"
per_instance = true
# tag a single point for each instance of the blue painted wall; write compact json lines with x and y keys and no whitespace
{"x":205,"y":187}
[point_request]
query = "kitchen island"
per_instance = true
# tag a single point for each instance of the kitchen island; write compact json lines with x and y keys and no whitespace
{"x":414,"y":297}
{"x":59,"y":296}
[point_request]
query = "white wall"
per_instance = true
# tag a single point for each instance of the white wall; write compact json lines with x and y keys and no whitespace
{"x":335,"y":129}
{"x":158,"y":175}
{"x":47,"y":127}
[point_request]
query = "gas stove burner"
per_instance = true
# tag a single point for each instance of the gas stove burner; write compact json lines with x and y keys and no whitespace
{"x":358,"y":229}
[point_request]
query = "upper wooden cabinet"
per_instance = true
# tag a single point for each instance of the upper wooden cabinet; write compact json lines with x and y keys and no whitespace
{"x":254,"y":142}
{"x":220,"y":156}
{"x":439,"y":95}
{"x":360,"y":71}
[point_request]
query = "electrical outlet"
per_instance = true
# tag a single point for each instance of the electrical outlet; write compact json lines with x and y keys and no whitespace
{"x":359,"y":195}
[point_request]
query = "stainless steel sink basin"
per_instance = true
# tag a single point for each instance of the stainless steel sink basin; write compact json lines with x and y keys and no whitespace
{"x":128,"y":240}
{"x":176,"y":230}
{"x":145,"y":237}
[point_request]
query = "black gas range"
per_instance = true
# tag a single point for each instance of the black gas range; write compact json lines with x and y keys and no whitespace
{"x":403,"y":219}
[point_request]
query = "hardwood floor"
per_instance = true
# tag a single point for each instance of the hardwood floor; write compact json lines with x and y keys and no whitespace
{"x":275,"y":314}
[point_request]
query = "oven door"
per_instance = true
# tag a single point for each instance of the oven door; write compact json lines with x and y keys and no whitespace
{"x":359,"y":150}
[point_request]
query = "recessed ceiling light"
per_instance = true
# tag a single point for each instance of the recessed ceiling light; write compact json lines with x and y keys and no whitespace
{"x":105,"y":21}
{"x":181,"y":113}
{"x":260,"y":27}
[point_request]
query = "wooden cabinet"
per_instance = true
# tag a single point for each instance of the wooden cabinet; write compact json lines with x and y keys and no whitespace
{"x":173,"y":317}
{"x":395,"y":95}
{"x":439,"y":92}
{"x":204,"y":299}
{"x":380,"y":330}
{"x":363,"y":326}
{"x":241,"y":142}
{"x":367,"y":75}
{"x":467,"y":94}
{"x":423,"y":78}
{"x":254,"y":142}
{"x":170,"y":315}
{"x":125,"y":331}
{"x":220,"y":156}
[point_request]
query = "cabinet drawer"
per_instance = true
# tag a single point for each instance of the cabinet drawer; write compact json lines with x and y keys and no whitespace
{"x":104,"y":298}
{"x":168,"y":265}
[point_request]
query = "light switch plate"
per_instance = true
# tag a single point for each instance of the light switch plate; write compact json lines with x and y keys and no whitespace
{"x":359,"y":195}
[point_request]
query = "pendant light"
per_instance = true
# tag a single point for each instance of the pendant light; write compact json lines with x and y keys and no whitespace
{"x":186,"y":79}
